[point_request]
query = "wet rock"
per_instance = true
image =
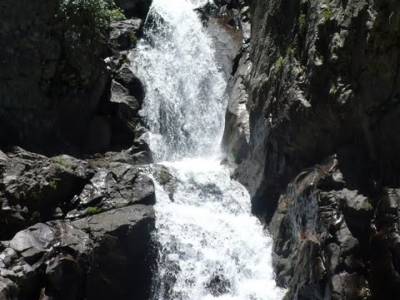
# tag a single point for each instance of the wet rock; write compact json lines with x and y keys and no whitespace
{"x":237,"y":132}
{"x":218,"y":285}
{"x":165,"y":178}
{"x":119,"y":185}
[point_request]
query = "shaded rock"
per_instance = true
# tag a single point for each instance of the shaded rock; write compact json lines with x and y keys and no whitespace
{"x":123,"y":245}
{"x":92,"y":258}
{"x":124,"y":34}
{"x":315,"y":245}
{"x":127,"y":79}
{"x":99,"y":135}
{"x":121,"y":95}
{"x":64,"y":276}
{"x":323,"y":80}
{"x":7,"y":289}
{"x":34,"y":187}
{"x":134,"y":8}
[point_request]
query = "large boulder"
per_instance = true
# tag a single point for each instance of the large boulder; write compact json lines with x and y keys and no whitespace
{"x":98,"y":257}
{"x":55,"y":90}
{"x":35,"y":188}
{"x":319,"y":249}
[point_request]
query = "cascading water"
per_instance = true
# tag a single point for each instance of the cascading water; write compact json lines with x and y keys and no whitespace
{"x":184,"y":107}
{"x":211,"y":247}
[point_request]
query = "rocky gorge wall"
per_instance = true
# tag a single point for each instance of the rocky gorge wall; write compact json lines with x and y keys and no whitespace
{"x":312,"y":127}
{"x":73,"y":227}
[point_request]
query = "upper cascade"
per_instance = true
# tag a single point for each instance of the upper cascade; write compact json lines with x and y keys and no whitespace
{"x":185,"y":90}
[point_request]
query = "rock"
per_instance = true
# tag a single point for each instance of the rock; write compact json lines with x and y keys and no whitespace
{"x":56,"y":84}
{"x":127,"y":79}
{"x":309,"y":98}
{"x":138,"y":154}
{"x":99,"y":135}
{"x":135,"y":8}
{"x":8,"y":290}
{"x":218,"y":285}
{"x":124,"y":34}
{"x":92,"y":258}
{"x":237,"y":132}
{"x":123,"y":253}
{"x":33,"y":187}
{"x":64,"y":277}
{"x":315,"y":243}
{"x":120,"y":94}
{"x":48,"y":82}
{"x":120,"y":185}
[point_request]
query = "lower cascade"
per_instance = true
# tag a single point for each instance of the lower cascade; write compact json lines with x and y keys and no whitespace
{"x":210,"y":246}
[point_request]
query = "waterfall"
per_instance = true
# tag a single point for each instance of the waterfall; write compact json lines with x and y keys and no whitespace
{"x":210,"y":246}
{"x":185,"y":101}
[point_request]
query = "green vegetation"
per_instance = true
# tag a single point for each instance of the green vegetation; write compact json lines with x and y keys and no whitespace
{"x":84,"y":26}
{"x":89,"y":16}
{"x":63,"y":163}
{"x":54,"y":183}
{"x":302,"y":22}
{"x":93,"y":210}
{"x":279,"y":64}
{"x":327,"y":13}
{"x":290,"y":51}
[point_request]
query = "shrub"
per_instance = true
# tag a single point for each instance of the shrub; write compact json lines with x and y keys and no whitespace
{"x":84,"y":27}
{"x":87,"y":19}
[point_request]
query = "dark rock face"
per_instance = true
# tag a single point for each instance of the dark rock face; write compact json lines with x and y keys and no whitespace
{"x":72,"y":228}
{"x":34,"y":188}
{"x":321,"y":232}
{"x":98,"y":245}
{"x":100,"y":257}
{"x":322,"y":94}
{"x":134,"y":8}
{"x":56,"y":90}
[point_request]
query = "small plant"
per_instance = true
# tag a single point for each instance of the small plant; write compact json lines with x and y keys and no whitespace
{"x":63,"y":163}
{"x":279,"y":64}
{"x":93,"y":210}
{"x":327,"y":13}
{"x":84,"y":26}
{"x":54,"y":183}
{"x":116,"y":14}
{"x":302,"y":22}
{"x":89,"y":16}
{"x":290,"y":52}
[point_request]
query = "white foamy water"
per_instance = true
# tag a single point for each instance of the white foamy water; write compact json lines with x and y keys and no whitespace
{"x":210,"y":246}
{"x":185,"y":91}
